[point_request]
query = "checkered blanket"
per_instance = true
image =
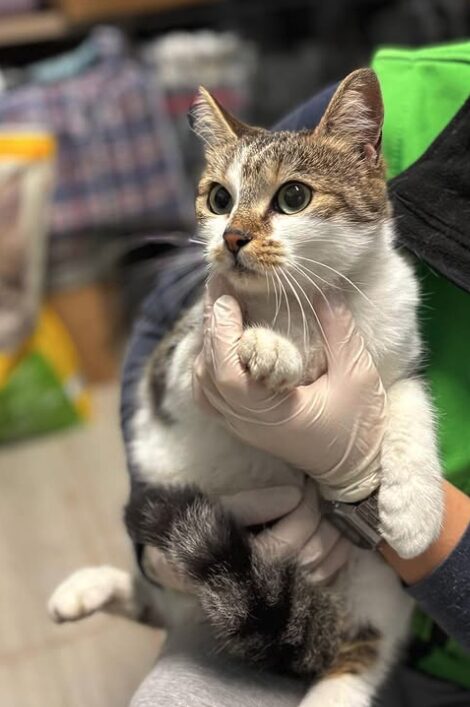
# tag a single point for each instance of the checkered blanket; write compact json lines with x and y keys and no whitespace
{"x":118,"y":163}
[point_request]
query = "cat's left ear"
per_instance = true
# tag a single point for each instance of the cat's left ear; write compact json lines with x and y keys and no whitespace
{"x":212,"y":123}
{"x":356,"y":112}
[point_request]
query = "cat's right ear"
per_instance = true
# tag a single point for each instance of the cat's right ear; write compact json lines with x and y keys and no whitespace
{"x":356,"y":112}
{"x":212,"y":123}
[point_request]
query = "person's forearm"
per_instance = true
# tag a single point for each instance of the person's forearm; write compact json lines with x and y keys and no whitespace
{"x":439,"y":579}
{"x":456,"y":520}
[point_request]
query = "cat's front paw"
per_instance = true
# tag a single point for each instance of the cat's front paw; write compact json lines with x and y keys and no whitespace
{"x":271,"y":359}
{"x":411,"y":518}
{"x":86,"y":591}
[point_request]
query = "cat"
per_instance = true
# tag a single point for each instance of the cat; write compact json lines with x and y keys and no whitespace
{"x":271,"y":205}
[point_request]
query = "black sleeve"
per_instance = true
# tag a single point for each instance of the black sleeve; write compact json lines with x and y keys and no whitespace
{"x":431,"y":202}
{"x":445,"y":594}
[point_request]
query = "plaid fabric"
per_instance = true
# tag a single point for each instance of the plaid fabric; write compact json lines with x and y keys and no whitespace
{"x":117,"y":161}
{"x":16,"y":7}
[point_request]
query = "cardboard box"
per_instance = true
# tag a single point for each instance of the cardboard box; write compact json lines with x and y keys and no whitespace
{"x":90,"y":314}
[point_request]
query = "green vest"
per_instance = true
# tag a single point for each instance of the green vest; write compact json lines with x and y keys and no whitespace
{"x":423,"y":89}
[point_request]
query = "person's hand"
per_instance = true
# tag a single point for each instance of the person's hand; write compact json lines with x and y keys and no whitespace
{"x":332,"y":428}
{"x":297,"y":532}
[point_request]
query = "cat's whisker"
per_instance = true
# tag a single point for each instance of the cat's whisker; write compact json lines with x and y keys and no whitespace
{"x":278,"y":303}
{"x":309,"y":279}
{"x":317,"y":319}
{"x":350,"y":282}
{"x":268,"y":290}
{"x":283,"y":289}
{"x":301,"y":238}
{"x":187,"y":281}
{"x":302,"y":312}
{"x":181,"y":262}
{"x":307,"y":272}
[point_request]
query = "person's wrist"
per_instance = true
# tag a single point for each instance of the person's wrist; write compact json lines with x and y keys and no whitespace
{"x":359,"y":522}
{"x":352,"y":491}
{"x":454,"y":526}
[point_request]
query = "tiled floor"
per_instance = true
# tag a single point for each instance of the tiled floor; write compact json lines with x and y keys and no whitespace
{"x":60,"y":508}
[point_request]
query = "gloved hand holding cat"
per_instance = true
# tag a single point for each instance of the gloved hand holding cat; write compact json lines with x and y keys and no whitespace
{"x":332,"y":428}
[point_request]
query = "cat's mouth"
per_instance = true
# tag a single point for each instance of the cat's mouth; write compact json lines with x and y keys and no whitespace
{"x":242,"y":269}
{"x":241,"y":272}
{"x":245,"y":278}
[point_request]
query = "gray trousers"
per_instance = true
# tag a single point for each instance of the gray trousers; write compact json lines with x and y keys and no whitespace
{"x":190,"y":674}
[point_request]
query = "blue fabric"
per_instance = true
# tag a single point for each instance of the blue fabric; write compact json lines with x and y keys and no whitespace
{"x":308,"y":115}
{"x":445,"y":594}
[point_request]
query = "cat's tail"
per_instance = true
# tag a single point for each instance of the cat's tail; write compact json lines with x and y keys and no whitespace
{"x":263,"y":610}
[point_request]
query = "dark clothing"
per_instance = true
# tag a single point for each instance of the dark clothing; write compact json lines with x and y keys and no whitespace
{"x":431,"y":202}
{"x":445,"y":594}
{"x":190,"y":673}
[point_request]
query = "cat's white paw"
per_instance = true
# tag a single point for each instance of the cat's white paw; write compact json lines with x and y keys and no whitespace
{"x":411,"y":517}
{"x":343,"y":691}
{"x":271,"y":359}
{"x":86,"y":591}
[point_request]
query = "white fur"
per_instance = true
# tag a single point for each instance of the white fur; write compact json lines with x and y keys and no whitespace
{"x":410,"y":501}
{"x":377,"y":598}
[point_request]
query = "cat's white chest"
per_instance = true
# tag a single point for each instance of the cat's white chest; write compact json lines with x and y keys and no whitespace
{"x":199,"y":450}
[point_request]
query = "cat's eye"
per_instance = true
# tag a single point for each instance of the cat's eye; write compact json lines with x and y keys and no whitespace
{"x":219,"y":201}
{"x":292,"y":198}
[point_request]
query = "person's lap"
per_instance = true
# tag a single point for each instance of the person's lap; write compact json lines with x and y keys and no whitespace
{"x":191,"y":674}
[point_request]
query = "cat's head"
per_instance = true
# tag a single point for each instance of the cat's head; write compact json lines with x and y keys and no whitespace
{"x":295,"y":205}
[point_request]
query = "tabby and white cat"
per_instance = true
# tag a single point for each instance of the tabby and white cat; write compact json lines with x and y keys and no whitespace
{"x":307,"y":208}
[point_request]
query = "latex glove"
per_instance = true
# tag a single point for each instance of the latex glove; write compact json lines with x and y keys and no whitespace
{"x":332,"y":429}
{"x":300,"y":533}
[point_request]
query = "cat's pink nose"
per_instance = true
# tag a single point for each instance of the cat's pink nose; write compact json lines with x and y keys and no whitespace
{"x":236,"y":239}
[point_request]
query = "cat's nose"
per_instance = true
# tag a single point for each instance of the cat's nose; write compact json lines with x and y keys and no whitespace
{"x":235,"y":239}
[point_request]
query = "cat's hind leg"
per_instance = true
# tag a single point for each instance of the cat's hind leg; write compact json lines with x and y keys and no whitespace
{"x":346,"y":690}
{"x":108,"y":590}
{"x":378,"y":603}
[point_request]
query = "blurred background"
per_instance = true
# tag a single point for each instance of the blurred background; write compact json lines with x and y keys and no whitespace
{"x":97,"y":175}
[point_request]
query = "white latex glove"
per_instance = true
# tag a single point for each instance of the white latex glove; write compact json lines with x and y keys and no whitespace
{"x":301,"y":533}
{"x":332,"y":429}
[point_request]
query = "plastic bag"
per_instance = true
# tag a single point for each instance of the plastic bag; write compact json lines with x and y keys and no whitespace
{"x":40,"y":386}
{"x":26,"y":180}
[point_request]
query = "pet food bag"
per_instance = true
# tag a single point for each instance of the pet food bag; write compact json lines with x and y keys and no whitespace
{"x":26,"y":180}
{"x":40,"y":385}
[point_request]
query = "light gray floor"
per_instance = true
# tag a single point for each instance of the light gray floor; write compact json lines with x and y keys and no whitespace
{"x":60,"y":507}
